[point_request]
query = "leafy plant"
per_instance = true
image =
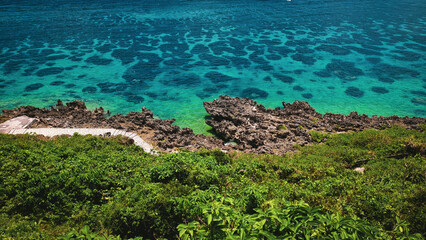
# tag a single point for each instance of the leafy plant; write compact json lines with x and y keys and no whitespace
{"x":48,"y":188}
{"x":283,"y":127}
{"x":319,"y":136}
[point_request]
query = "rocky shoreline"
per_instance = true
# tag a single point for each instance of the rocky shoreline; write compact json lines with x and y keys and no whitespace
{"x":249,"y":126}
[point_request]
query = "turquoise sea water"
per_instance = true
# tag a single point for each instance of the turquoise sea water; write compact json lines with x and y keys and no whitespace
{"x":170,"y":56}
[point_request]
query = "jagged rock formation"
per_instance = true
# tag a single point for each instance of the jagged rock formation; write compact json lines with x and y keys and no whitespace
{"x":253,"y":127}
{"x":262,"y":130}
{"x":158,"y":132}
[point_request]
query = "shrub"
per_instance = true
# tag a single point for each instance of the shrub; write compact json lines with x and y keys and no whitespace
{"x":50,"y":187}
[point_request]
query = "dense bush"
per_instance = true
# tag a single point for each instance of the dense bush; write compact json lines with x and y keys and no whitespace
{"x":95,"y":188}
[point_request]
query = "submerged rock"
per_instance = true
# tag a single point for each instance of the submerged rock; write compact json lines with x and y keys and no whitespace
{"x":254,"y":93}
{"x":354,"y":92}
{"x":33,"y":87}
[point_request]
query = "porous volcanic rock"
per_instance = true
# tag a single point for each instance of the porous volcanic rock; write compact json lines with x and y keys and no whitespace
{"x":158,"y":132}
{"x":260,"y":130}
{"x":253,"y":127}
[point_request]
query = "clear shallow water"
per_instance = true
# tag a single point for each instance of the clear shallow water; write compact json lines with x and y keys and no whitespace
{"x":170,"y":56}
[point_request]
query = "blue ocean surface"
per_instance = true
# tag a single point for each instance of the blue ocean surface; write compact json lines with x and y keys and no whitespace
{"x":171,"y":56}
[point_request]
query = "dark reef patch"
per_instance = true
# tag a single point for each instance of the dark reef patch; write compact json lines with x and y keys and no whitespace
{"x":273,"y":57}
{"x":29,"y":71}
{"x":283,"y":78}
{"x":420,"y":112}
{"x":134,"y":98}
{"x":219,"y":47}
{"x":70,"y":67}
{"x":213,"y":60}
{"x":71,"y":85}
{"x":374,"y":60}
{"x":108,"y":87}
{"x":419,"y":93}
{"x":12,"y":66}
{"x":380,"y":90}
{"x":33,"y":87}
{"x":256,"y":48}
{"x":308,"y":60}
{"x":406,"y":55}
{"x":217,"y":77}
{"x":141,"y":73}
{"x":152,"y":95}
{"x":56,"y":83}
{"x":419,"y":101}
{"x":237,"y":44}
{"x":210,"y":90}
{"x":265,"y":67}
{"x":304,"y":50}
{"x":365,"y":51}
{"x":199,"y":49}
{"x":386,"y":80}
{"x":386,"y":70}
{"x":299,"y":71}
{"x":176,"y":62}
{"x":46,"y":52}
{"x":174,"y":48}
{"x":97,"y":60}
{"x":253,"y":93}
{"x":126,"y":56}
{"x":280,"y":93}
{"x":335,"y":50}
{"x":354,"y":92}
{"x":239,"y":62}
{"x":89,"y":90}
{"x":300,"y":42}
{"x":270,"y":42}
{"x":344,"y":70}
{"x":56,"y":57}
{"x":105,"y":48}
{"x":258,"y":58}
{"x":267,"y":79}
{"x":323,"y":73}
{"x":298,"y":88}
{"x":307,"y":95}
{"x":49,"y":71}
{"x":281,"y":50}
{"x":75,"y":59}
{"x":415,"y":46}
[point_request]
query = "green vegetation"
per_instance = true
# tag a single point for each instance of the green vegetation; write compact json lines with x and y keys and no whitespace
{"x":315,"y":121}
{"x":319,"y":136}
{"x":95,"y":188}
{"x":283,"y":127}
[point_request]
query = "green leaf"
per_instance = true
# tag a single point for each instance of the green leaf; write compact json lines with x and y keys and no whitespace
{"x":209,"y":219}
{"x":182,"y":232}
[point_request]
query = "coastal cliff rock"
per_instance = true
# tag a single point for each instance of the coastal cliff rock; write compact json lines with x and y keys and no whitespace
{"x":239,"y":123}
{"x":257,"y":129}
{"x":160,"y":133}
{"x":260,"y":130}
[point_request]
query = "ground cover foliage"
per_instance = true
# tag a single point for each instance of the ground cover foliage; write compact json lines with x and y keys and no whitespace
{"x":86,"y":187}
